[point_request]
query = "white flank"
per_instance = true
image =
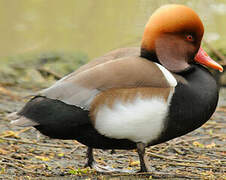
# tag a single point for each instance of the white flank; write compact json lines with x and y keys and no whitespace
{"x":140,"y":121}
{"x":170,"y":78}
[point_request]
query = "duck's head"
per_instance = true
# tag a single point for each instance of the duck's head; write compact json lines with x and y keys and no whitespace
{"x":173,"y":36}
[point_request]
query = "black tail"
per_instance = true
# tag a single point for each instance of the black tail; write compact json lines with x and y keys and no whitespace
{"x":55,"y":118}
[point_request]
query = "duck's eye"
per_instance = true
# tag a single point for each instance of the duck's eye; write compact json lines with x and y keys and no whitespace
{"x":190,"y":38}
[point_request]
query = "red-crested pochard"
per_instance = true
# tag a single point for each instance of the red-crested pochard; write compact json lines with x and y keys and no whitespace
{"x":133,"y":98}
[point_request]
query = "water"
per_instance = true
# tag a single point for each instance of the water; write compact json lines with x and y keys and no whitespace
{"x":92,"y":27}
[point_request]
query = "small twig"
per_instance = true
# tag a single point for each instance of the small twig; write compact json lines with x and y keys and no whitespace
{"x":178,"y":160}
{"x":189,"y":165}
{"x":14,"y":133}
{"x":164,"y":149}
{"x":154,"y":175}
{"x":74,"y":149}
{"x":19,"y":161}
{"x":192,"y":139}
{"x":38,"y":144}
{"x":24,"y":130}
{"x":178,"y":150}
{"x":19,"y":168}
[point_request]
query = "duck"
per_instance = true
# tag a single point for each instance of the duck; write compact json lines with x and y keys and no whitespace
{"x":132,"y":98}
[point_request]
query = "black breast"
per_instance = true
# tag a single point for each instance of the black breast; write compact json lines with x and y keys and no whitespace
{"x":192,"y":104}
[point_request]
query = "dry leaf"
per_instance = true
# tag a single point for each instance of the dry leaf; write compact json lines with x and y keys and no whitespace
{"x":60,"y":154}
{"x":134,"y":163}
{"x":3,"y":151}
{"x":198,"y":144}
{"x":43,"y":158}
{"x":210,"y":146}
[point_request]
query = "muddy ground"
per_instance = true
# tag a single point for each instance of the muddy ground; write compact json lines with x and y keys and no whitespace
{"x":25,"y":154}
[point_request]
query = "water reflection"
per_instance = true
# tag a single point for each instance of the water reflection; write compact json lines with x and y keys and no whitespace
{"x":93,"y":27}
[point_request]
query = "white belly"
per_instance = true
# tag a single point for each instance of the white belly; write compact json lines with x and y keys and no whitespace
{"x":140,"y":120}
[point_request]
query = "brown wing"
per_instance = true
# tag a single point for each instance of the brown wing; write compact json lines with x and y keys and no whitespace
{"x":115,"y":54}
{"x":81,"y":88}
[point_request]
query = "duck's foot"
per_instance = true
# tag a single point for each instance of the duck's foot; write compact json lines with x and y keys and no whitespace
{"x":149,"y":169}
{"x":103,"y":169}
{"x":108,"y":169}
{"x":144,"y":167}
{"x":89,"y":156}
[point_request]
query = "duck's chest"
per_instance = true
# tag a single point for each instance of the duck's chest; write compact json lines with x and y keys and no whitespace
{"x":192,"y":104}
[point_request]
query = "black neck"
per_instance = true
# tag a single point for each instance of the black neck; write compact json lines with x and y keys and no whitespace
{"x":149,"y":55}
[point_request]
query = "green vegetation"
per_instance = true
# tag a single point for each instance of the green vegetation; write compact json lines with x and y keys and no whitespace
{"x":39,"y":69}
